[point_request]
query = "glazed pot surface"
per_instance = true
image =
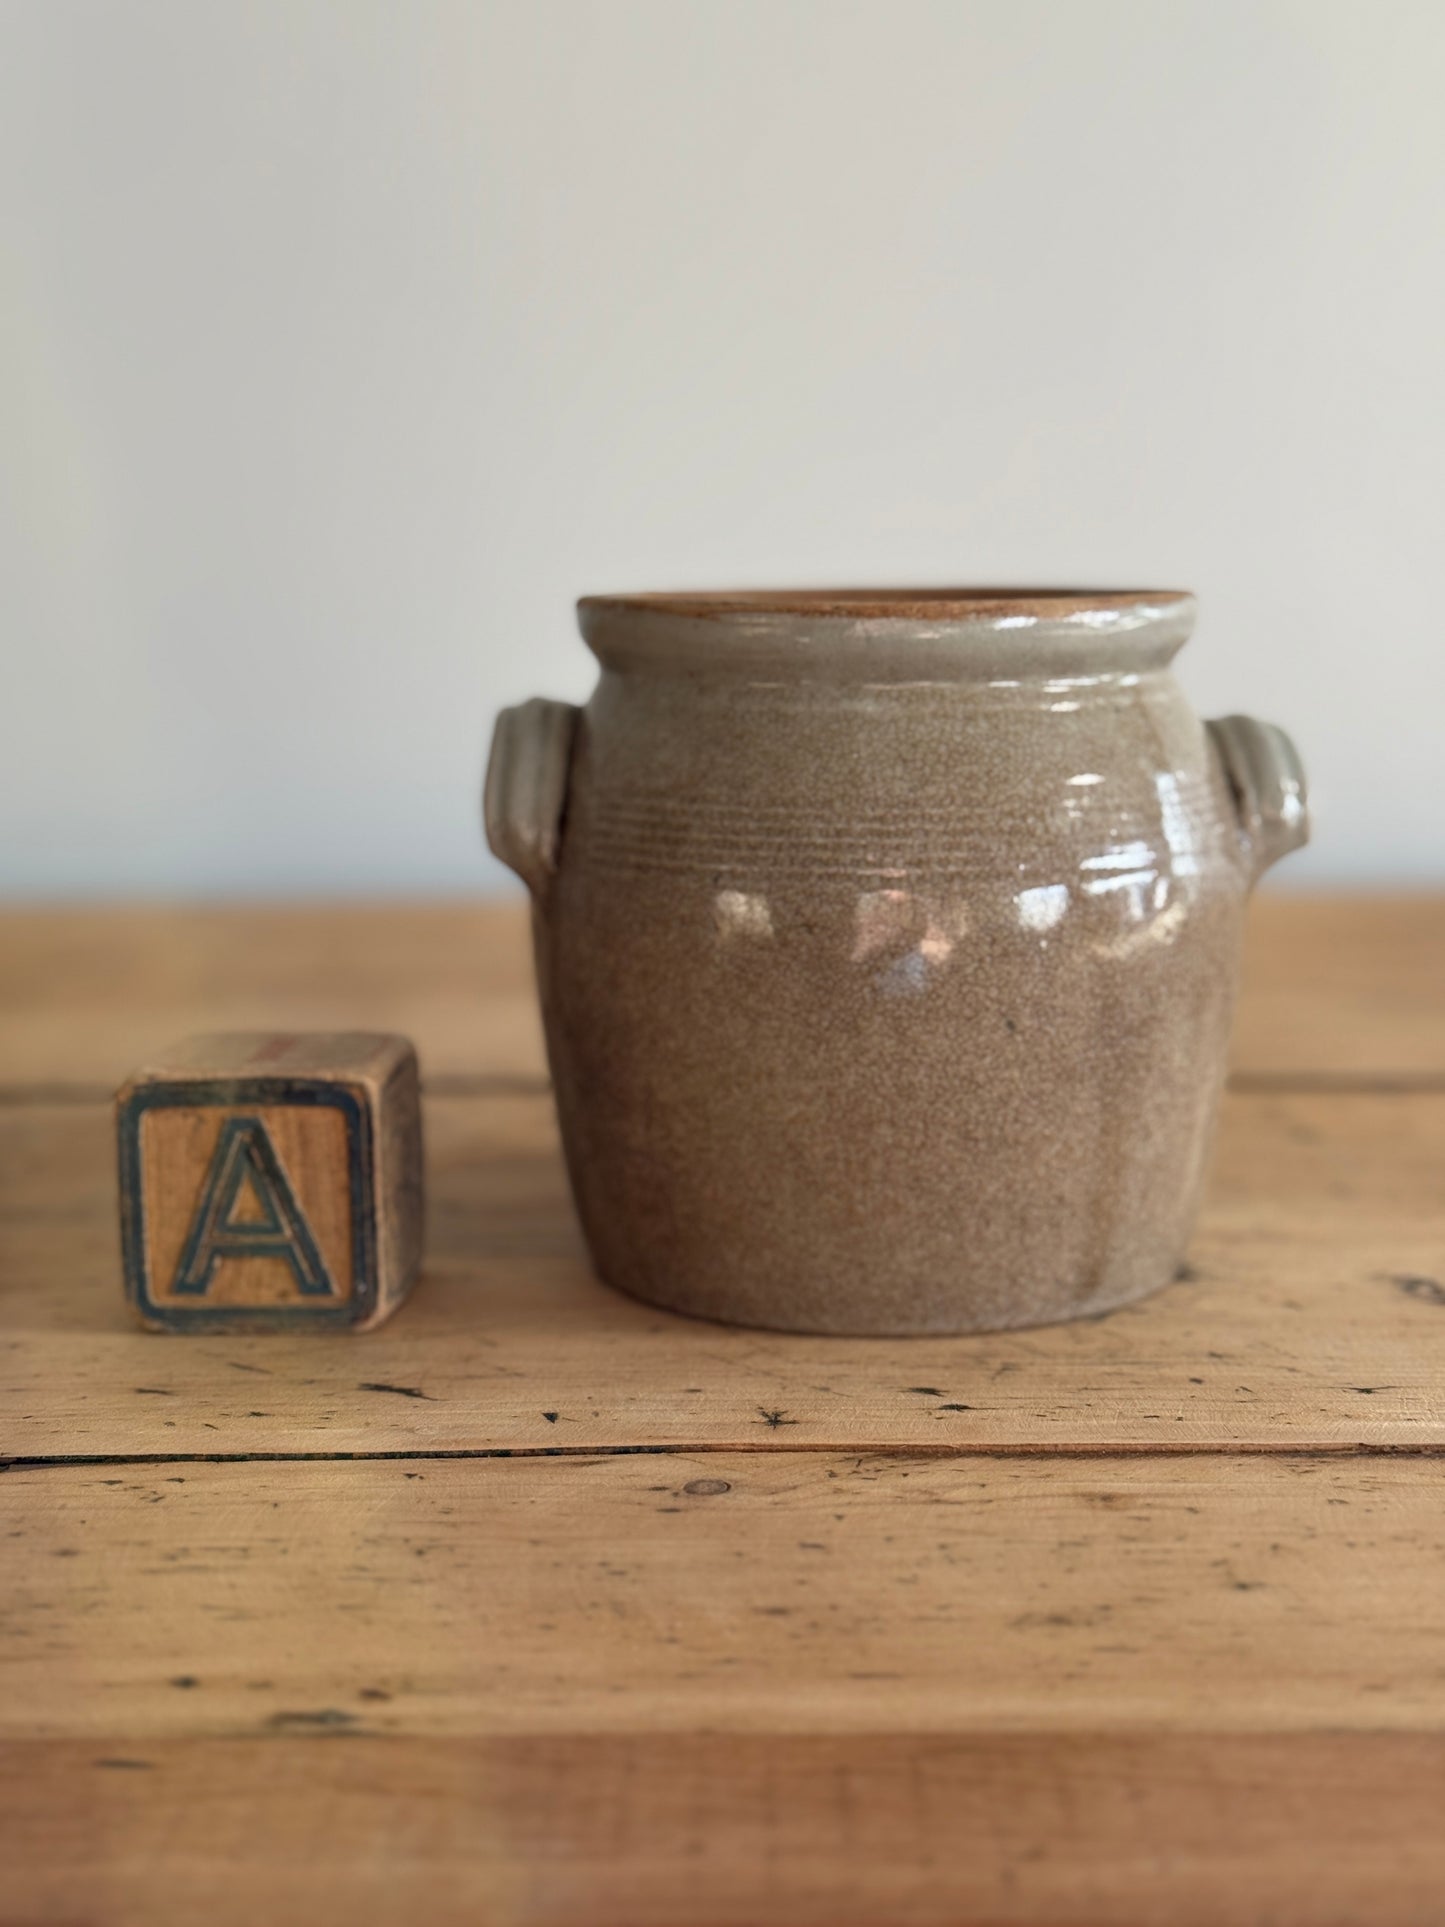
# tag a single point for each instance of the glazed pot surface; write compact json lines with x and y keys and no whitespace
{"x":887,"y":948}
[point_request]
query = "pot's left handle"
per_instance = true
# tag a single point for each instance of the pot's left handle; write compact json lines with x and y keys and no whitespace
{"x":526,"y":788}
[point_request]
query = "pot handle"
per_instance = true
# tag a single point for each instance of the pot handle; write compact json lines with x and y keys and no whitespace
{"x":526,"y":787}
{"x":1271,"y":793}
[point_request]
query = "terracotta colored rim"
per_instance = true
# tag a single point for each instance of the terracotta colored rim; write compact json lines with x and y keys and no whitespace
{"x":871,"y":605}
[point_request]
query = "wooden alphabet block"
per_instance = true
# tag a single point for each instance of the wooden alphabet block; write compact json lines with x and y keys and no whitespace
{"x":271,"y":1180}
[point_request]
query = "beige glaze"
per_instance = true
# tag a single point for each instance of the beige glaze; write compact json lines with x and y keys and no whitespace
{"x":887,"y":945}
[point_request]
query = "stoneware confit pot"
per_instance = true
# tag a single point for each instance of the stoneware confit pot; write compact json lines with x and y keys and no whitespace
{"x":887,"y":944}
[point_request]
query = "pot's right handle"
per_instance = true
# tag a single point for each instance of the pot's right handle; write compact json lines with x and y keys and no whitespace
{"x":1271,"y":793}
{"x":526,"y":788}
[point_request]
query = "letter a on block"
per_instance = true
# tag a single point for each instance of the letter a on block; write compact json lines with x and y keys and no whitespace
{"x":245,"y":1159}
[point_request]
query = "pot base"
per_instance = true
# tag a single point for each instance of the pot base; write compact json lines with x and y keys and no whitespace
{"x":1098,"y":1307}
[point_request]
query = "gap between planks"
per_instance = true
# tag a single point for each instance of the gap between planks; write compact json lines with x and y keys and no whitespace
{"x":482,"y":1084}
{"x":880,"y":1449}
{"x":501,"y":1084}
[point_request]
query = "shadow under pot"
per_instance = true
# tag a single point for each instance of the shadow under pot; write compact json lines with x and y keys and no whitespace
{"x":887,"y":945}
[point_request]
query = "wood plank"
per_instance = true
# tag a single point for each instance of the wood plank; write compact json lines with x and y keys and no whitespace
{"x":1315,"y":1316}
{"x":776,"y":1830}
{"x":1342,"y":986}
{"x":1334,"y":985}
{"x":723,"y":1592}
{"x":87,"y":994}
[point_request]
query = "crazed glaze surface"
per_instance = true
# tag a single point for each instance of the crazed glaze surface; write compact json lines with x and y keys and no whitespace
{"x":887,"y":948}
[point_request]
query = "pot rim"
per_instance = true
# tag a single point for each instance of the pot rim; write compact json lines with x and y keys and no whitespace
{"x":983,"y":603}
{"x":888,"y":635}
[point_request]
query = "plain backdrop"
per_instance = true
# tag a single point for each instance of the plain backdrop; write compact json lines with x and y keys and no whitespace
{"x":342,"y":345}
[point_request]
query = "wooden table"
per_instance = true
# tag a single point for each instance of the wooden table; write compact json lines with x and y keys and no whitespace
{"x":538,"y":1605}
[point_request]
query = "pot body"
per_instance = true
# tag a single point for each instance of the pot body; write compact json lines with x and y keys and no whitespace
{"x":887,"y":960}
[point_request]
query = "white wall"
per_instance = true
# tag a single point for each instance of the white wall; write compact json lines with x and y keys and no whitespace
{"x":341,"y":345}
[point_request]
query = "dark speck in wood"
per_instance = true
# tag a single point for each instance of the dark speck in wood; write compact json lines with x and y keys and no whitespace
{"x":1415,"y":1285}
{"x":325,"y":1717}
{"x":400,"y":1391}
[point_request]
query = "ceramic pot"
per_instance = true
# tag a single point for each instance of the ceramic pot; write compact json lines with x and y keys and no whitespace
{"x":887,"y":945}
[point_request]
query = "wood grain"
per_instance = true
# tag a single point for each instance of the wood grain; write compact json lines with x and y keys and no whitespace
{"x":777,"y":1830}
{"x":724,"y":1592}
{"x":1314,"y":1315}
{"x":1331,"y":987}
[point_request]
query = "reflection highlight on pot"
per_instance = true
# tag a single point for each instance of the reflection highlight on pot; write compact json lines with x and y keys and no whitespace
{"x":1043,"y":906}
{"x":1128,"y":867}
{"x":911,"y":934}
{"x":742,"y":914}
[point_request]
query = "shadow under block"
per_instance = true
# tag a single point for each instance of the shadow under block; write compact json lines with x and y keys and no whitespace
{"x":271,"y":1180}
